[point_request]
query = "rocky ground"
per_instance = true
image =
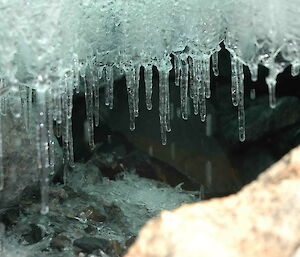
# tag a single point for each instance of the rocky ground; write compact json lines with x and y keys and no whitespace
{"x":98,"y":212}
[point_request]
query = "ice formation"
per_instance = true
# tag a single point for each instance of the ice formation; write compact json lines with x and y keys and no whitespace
{"x":48,"y":47}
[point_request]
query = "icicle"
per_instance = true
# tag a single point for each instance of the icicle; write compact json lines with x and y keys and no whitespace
{"x":184,"y":90}
{"x":71,"y":146}
{"x":130,"y":80}
{"x":136,"y":91}
{"x":42,"y":149}
{"x":67,"y":137}
{"x":15,"y":104}
{"x":68,"y":96}
{"x":177,"y":70}
{"x":234,"y":81}
{"x":88,"y":88}
{"x":57,"y":129}
{"x":206,"y":67}
{"x":163,"y":105}
{"x":295,"y":69}
{"x":96,"y":105}
{"x":254,"y":72}
{"x":23,"y":95}
{"x":168,"y":110}
{"x":58,"y":105}
{"x":271,"y":82}
{"x":197,"y":86}
{"x":75,"y":72}
{"x":191,"y":77}
{"x":3,"y":99}
{"x":1,"y":157}
{"x":96,"y":94}
{"x":109,"y":90}
{"x":49,"y":119}
{"x":241,"y":109}
{"x":29,"y":107}
{"x":215,"y":63}
{"x":202,"y":101}
{"x":148,"y":85}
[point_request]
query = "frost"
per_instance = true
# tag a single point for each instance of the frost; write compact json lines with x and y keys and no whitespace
{"x":138,"y":198}
{"x":51,"y":46}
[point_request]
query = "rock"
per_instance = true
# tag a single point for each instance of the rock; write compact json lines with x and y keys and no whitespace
{"x":90,"y":244}
{"x":260,"y":220}
{"x":34,"y":235}
{"x":82,"y":175}
{"x":60,"y":242}
{"x":92,"y":213}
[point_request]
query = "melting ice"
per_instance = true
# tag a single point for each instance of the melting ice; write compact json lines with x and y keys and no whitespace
{"x":48,"y":47}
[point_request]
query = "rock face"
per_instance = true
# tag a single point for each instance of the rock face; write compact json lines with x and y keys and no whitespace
{"x":261,"y":220}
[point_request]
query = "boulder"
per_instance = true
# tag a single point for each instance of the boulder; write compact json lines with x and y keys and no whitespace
{"x":261,"y":220}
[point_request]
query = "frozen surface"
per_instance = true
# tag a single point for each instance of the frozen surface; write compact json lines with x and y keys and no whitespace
{"x":88,"y":206}
{"x":48,"y":47}
{"x":138,"y":198}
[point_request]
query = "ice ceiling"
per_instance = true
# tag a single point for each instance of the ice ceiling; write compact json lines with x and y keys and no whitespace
{"x":47,"y":47}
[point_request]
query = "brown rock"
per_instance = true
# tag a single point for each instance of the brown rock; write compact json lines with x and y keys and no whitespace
{"x":261,"y":220}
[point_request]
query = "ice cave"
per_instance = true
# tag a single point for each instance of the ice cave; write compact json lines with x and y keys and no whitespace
{"x":115,"y":113}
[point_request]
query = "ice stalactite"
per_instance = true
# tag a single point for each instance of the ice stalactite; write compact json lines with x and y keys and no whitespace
{"x":271,"y":82}
{"x":215,"y":63}
{"x":132,"y":83}
{"x":241,"y":108}
{"x":49,"y":119}
{"x":202,"y":93}
{"x":89,"y":103}
{"x":1,"y":157}
{"x":234,"y":81}
{"x":295,"y":69}
{"x":109,"y":89}
{"x":136,"y":90}
{"x":2,"y":86}
{"x":206,"y":76}
{"x":14,"y":102}
{"x":67,"y":107}
{"x":164,"y":105}
{"x":254,"y":72}
{"x":96,"y":93}
{"x":177,"y":70}
{"x":148,"y":85}
{"x":29,"y":107}
{"x":42,"y":143}
{"x":196,"y":86}
{"x":75,"y":74}
{"x":3,"y":99}
{"x":184,"y":82}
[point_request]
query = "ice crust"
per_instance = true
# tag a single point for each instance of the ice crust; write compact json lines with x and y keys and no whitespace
{"x":48,"y":47}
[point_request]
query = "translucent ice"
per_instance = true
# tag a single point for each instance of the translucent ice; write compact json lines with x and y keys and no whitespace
{"x":55,"y":44}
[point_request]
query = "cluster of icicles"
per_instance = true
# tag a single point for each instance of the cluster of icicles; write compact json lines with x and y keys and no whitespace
{"x":54,"y":105}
